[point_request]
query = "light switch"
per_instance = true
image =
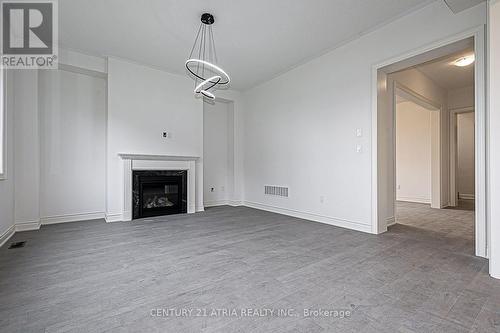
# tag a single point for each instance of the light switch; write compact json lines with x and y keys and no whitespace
{"x":359,"y":132}
{"x":359,"y":148}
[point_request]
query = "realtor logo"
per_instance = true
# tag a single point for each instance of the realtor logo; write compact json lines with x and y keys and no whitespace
{"x":29,"y":34}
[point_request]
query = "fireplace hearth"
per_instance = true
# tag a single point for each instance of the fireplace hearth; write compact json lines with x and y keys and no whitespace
{"x":158,"y":192}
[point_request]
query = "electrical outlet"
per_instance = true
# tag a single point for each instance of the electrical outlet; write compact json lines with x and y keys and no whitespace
{"x":359,"y":148}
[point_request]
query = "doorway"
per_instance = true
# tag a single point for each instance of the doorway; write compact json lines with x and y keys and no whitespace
{"x":462,"y":158}
{"x":419,"y":67}
{"x":417,"y":150}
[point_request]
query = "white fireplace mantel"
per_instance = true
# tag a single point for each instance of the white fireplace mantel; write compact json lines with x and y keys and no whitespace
{"x":157,"y":157}
{"x":161,"y":162}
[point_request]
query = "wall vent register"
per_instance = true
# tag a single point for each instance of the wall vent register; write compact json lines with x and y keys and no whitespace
{"x":17,"y":245}
{"x":279,"y":191}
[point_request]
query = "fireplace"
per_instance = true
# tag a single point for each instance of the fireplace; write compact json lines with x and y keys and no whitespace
{"x":158,"y":192}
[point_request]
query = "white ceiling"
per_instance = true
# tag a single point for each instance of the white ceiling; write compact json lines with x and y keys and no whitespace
{"x":460,"y":5}
{"x":444,"y":73}
{"x":256,"y":39}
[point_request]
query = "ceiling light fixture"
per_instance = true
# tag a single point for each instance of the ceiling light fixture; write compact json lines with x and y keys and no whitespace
{"x":202,"y":61}
{"x":464,"y":61}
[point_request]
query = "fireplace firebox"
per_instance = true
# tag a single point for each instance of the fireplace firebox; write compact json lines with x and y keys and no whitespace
{"x":158,"y":192}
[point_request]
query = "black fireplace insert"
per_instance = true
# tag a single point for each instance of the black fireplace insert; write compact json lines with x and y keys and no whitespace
{"x":158,"y":192}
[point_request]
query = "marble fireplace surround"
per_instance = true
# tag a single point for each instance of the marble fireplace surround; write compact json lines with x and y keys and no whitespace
{"x":161,"y":162}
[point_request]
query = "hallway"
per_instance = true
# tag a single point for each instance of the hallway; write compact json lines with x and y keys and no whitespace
{"x":452,"y":228}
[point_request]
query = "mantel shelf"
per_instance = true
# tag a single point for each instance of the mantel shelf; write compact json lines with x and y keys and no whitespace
{"x":157,"y":157}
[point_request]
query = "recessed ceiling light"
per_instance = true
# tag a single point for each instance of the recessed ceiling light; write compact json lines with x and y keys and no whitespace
{"x":464,"y":61}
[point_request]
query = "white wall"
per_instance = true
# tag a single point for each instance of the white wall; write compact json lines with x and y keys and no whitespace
{"x":72,"y":110}
{"x":30,"y":195}
{"x":300,"y":127}
{"x":461,"y":98}
{"x":82,"y":61}
{"x":413,"y":153}
{"x":429,"y":90}
{"x":494,"y":137}
{"x":60,"y":167}
{"x":465,"y":155}
{"x":26,"y":145}
{"x":7,"y":184}
{"x":142,"y":103}
{"x":235,"y":195}
{"x":422,"y":85}
{"x":218,"y":152}
{"x":3,"y":119}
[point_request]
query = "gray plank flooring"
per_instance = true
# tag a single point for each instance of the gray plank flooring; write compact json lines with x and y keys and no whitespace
{"x":91,"y":276}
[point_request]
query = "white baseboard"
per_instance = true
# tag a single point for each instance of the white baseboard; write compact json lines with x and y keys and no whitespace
{"x":466,"y":196}
{"x":27,"y":226}
{"x":126,"y":216}
{"x":191,"y":209}
{"x":390,"y":221}
{"x":312,"y":217}
{"x":113,"y":218}
{"x":71,"y":218}
{"x":36,"y":224}
{"x":215,"y":203}
{"x":414,"y":199}
{"x":7,"y":234}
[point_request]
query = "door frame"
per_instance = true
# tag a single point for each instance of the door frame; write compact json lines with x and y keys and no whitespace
{"x":436,"y":140}
{"x":379,"y":204}
{"x":453,"y":152}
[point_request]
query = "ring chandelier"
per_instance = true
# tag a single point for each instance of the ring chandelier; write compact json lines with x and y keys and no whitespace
{"x":202,"y":61}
